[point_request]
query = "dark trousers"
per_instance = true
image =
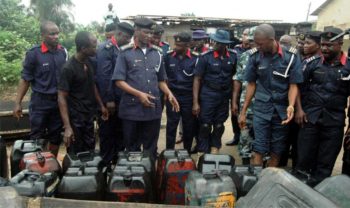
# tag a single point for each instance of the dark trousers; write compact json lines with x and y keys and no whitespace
{"x":45,"y":119}
{"x":111,"y":137}
{"x":318,"y":148}
{"x":346,"y":162}
{"x":83,"y":135}
{"x":291,"y":145}
{"x":145,"y":133}
{"x":188,"y":122}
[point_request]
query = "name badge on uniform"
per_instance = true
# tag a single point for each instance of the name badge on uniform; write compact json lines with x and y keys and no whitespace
{"x":229,"y":62}
{"x":215,"y":64}
{"x":137,"y":60}
{"x":46,"y":67}
{"x":172,"y":65}
{"x":262,"y":67}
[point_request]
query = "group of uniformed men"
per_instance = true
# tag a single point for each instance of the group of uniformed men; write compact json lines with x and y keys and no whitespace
{"x":268,"y":85}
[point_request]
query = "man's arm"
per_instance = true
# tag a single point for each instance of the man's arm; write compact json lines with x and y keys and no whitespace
{"x":164,"y":88}
{"x":23,"y":87}
{"x":249,"y":96}
{"x":292,"y":95}
{"x":300,"y":116}
{"x":145,"y":99}
{"x":100,"y":103}
{"x":68,"y":136}
{"x":237,"y":85}
{"x":196,"y":87}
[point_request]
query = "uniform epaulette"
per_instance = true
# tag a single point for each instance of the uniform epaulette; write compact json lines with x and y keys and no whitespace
{"x":308,"y":60}
{"x":166,"y":43}
{"x":293,"y":50}
{"x":252,"y":51}
{"x":208,"y":51}
{"x":125,"y":47}
{"x":157,"y":48}
{"x":195,"y":53}
{"x":169,"y":51}
{"x":109,"y":45}
{"x":232,"y":50}
{"x":34,"y":47}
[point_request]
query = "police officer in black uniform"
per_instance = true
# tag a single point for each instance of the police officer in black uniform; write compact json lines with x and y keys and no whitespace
{"x":41,"y":71}
{"x":110,"y":131}
{"x":324,"y":101}
{"x":140,"y":74}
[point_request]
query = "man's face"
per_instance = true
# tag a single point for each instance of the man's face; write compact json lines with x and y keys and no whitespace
{"x":245,"y":33}
{"x":181,"y":47}
{"x":144,"y":35}
{"x":50,"y":35}
{"x":198,"y":43}
{"x":219,"y":46}
{"x":123,"y":38}
{"x":245,"y":43}
{"x":300,"y":46}
{"x":91,"y":49}
{"x":310,"y":47}
{"x":156,"y":39}
{"x":329,"y":49}
{"x":263,"y":43}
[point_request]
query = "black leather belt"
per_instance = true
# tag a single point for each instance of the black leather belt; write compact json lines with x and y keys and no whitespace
{"x":46,"y":96}
{"x":217,"y":86}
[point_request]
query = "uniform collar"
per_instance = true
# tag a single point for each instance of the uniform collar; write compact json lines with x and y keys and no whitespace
{"x":137,"y":46}
{"x":279,"y":49}
{"x":188,"y":53}
{"x":341,"y":60}
{"x":114,"y":41}
{"x":216,"y":54}
{"x":161,"y":44}
{"x":45,"y":49}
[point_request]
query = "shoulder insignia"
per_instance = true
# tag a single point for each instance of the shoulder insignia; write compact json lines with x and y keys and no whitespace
{"x":293,"y":50}
{"x":108,"y":45}
{"x":157,"y":48}
{"x":195,"y":53}
{"x":128,"y":46}
{"x":252,"y":51}
{"x":166,"y":43}
{"x":308,"y":60}
{"x":170,"y":51}
{"x":232,"y":50}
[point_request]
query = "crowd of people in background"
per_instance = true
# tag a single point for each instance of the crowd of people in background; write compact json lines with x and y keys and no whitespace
{"x":278,"y":95}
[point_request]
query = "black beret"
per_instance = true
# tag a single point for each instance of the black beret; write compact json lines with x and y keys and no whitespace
{"x":126,"y":27}
{"x":331,"y":32}
{"x":183,"y":37}
{"x":144,"y":23}
{"x":314,"y":35}
{"x":158,"y":30}
{"x":110,"y":27}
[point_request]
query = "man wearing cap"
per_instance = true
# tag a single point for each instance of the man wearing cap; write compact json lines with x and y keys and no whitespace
{"x":140,"y":73}
{"x":324,"y":102}
{"x":300,"y":45}
{"x":272,"y":73}
{"x":41,"y":69}
{"x":157,"y":39}
{"x":212,"y":90}
{"x":198,"y":41}
{"x":110,"y":31}
{"x":238,"y":96}
{"x":179,"y":65}
{"x":110,"y":131}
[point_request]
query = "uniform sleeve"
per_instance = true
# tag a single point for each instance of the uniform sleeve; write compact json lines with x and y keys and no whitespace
{"x":104,"y":72}
{"x":66,"y":78}
{"x":251,"y":70}
{"x":29,"y":66}
{"x":161,"y":73}
{"x":296,"y":71}
{"x":120,"y":68}
{"x":200,"y":67}
{"x":242,"y":63}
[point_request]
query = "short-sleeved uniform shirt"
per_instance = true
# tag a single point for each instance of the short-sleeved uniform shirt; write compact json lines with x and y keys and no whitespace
{"x":142,"y":71}
{"x":273,"y":73}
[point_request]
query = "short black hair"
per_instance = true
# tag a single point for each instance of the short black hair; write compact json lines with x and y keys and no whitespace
{"x":111,"y":27}
{"x":82,"y":40}
{"x":44,"y":25}
{"x":266,"y":30}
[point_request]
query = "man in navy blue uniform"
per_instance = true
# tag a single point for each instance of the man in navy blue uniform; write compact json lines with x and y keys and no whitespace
{"x":198,"y":41}
{"x":157,"y":39}
{"x":140,"y":74}
{"x":272,"y":73}
{"x":41,"y":70}
{"x":324,"y":99}
{"x":78,"y":96}
{"x":179,"y":65}
{"x":110,"y":131}
{"x":212,"y":89}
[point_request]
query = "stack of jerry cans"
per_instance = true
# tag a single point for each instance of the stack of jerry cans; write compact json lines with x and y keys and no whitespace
{"x":84,"y":177}
{"x":173,"y":169}
{"x":20,"y":148}
{"x":211,"y":185}
{"x":245,"y":177}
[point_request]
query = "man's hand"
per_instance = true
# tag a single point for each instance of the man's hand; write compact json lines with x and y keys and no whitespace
{"x":234,"y":108}
{"x":111,"y":107}
{"x":68,"y":136}
{"x":146,"y":100}
{"x":17,"y":111}
{"x":105,"y":113}
{"x":290,"y":115}
{"x":300,"y":117}
{"x":242,"y":120}
{"x":196,"y":109}
{"x":173,"y":102}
